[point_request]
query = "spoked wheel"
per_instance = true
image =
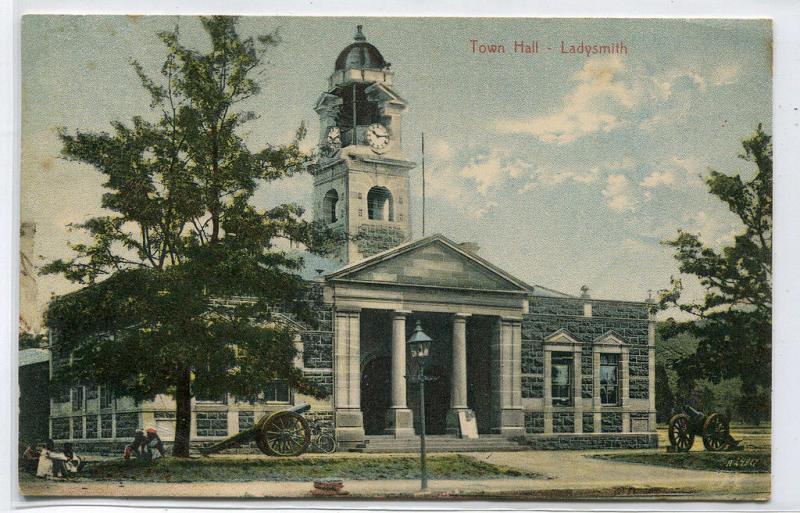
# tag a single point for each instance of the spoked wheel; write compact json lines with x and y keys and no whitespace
{"x":680,"y":435}
{"x":284,"y":434}
{"x":716,"y":432}
{"x":326,"y":443}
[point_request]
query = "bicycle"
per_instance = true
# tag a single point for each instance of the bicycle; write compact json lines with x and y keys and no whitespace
{"x":320,"y":439}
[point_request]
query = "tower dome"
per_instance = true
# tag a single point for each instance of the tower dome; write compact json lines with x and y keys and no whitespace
{"x":360,"y":55}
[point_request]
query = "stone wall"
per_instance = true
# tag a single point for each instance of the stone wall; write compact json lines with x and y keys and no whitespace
{"x":563,"y":422}
{"x":247,"y":419}
{"x":534,"y":422}
{"x":372,"y":239}
{"x":212,"y":423}
{"x":317,"y":350}
{"x":547,"y":315}
{"x":588,"y":422}
{"x":593,"y":441}
{"x":323,"y":380}
{"x":611,"y":422}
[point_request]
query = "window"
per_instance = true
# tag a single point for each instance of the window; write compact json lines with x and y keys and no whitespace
{"x":77,"y":398}
{"x":609,"y":379}
{"x":379,"y":204}
{"x":329,"y":203}
{"x":106,"y":398}
{"x":277,"y":391}
{"x":561,"y":379}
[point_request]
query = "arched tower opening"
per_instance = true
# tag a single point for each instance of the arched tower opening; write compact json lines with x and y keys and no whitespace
{"x":380,"y":205}
{"x":329,"y":205}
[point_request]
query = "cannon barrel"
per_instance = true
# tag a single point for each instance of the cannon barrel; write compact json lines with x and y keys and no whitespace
{"x":250,"y":434}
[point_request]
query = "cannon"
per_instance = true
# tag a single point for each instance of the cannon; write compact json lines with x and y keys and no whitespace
{"x":281,"y":433}
{"x":686,"y":423}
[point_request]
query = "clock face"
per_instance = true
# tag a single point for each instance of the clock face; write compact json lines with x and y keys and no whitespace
{"x":333,"y":140}
{"x":378,"y":137}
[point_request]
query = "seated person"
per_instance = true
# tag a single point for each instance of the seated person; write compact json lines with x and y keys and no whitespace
{"x":51,"y":463}
{"x":136,"y":448}
{"x":153,"y":447}
{"x":30,"y":459}
{"x":74,"y":463}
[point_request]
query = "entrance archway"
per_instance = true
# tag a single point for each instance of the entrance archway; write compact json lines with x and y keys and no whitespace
{"x":376,"y":386}
{"x":437,"y":401}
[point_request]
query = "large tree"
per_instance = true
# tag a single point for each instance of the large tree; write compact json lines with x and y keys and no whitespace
{"x":182,"y":232}
{"x":733,"y":321}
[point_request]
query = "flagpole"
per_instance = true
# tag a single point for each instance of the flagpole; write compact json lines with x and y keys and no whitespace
{"x":423,"y":184}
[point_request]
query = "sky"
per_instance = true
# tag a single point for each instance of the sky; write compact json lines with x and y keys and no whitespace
{"x":567,"y":169}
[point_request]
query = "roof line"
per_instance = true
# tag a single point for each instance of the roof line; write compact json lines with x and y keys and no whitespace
{"x":379,"y":257}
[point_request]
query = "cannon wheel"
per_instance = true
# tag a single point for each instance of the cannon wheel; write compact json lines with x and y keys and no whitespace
{"x":680,"y":434}
{"x":716,"y":432}
{"x":284,"y":433}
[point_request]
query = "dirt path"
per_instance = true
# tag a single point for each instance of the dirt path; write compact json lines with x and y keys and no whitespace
{"x":572,"y":474}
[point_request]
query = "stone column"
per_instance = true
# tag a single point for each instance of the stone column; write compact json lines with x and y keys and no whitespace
{"x":458,"y":394}
{"x":347,"y":377}
{"x":548,"y":392}
{"x":399,"y":418}
{"x":577,"y":400}
{"x":625,"y":390}
{"x":509,"y":365}
{"x":596,"y":400}
{"x":233,"y":421}
{"x":458,"y":380}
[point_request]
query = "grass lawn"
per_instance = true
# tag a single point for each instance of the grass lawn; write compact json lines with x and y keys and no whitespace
{"x":744,"y":461}
{"x":755,"y":458}
{"x":283,"y":469}
{"x":753,"y":438}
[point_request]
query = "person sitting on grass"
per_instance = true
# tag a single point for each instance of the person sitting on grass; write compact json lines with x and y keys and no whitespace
{"x":30,"y":459}
{"x":51,"y":463}
{"x":153,"y":447}
{"x":136,"y":447}
{"x":74,"y":463}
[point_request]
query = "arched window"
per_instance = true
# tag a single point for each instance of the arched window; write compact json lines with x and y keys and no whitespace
{"x":379,"y":204}
{"x":329,"y":203}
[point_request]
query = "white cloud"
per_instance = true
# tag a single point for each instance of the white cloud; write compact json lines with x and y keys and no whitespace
{"x":658,"y":178}
{"x":725,"y":74}
{"x":715,"y":230}
{"x":486,"y":170}
{"x":618,"y":193}
{"x":586,"y":110}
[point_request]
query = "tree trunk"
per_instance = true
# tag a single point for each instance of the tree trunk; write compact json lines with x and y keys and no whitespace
{"x":183,"y":415}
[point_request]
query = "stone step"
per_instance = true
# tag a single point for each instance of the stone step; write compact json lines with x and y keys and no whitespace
{"x":438,"y":443}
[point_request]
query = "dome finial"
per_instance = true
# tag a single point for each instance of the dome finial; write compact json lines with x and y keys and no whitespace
{"x":359,"y":35}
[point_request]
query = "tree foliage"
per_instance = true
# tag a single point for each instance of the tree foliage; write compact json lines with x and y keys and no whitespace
{"x":733,"y":321}
{"x":181,"y":231}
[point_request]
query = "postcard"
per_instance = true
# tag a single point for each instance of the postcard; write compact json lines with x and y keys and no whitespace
{"x":389,"y":258}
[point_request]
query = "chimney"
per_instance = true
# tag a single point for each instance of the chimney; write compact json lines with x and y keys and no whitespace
{"x":471,"y":247}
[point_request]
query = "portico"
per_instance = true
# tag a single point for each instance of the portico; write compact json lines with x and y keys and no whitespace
{"x":466,"y":304}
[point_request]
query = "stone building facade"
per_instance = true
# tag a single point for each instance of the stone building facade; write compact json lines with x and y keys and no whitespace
{"x":510,"y":359}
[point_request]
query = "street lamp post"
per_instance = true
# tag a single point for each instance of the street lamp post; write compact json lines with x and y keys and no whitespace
{"x":419,"y":346}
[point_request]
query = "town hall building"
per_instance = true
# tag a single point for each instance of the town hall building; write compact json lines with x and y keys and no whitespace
{"x":512,"y":362}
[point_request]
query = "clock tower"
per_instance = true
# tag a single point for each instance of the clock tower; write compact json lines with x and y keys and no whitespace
{"x":361,"y":185}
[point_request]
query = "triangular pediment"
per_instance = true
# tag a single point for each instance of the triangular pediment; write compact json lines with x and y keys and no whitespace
{"x":431,"y":262}
{"x":382,"y":92}
{"x":561,"y":336}
{"x":610,"y":337}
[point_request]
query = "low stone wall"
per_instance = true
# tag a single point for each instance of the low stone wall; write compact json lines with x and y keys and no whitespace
{"x":593,"y":441}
